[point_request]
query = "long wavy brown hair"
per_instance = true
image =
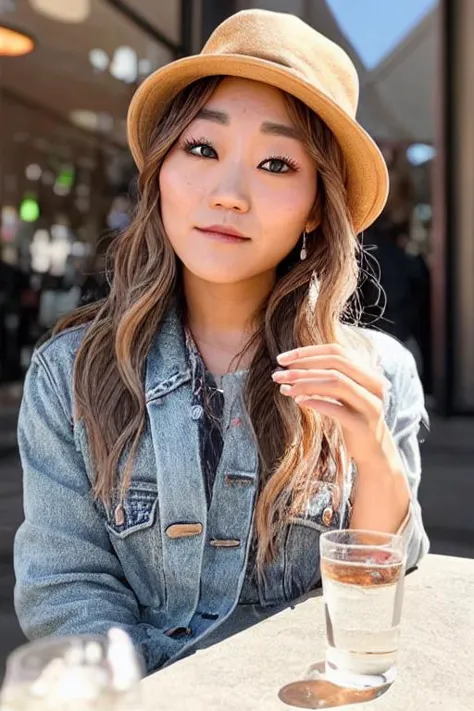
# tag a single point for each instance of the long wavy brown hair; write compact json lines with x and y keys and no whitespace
{"x":297,"y":448}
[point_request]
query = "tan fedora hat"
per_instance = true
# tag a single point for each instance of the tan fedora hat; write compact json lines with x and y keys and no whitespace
{"x":281,"y":50}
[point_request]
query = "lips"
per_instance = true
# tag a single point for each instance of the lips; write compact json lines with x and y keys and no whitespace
{"x":224,"y":232}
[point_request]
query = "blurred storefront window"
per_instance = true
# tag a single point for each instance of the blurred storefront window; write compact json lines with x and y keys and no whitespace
{"x":65,"y":169}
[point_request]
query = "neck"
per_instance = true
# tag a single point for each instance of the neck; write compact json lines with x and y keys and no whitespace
{"x":221,"y":317}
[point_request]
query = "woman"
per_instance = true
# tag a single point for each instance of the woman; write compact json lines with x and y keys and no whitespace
{"x":186,"y":440}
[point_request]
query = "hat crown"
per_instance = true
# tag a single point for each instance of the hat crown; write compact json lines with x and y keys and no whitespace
{"x":285,"y":40}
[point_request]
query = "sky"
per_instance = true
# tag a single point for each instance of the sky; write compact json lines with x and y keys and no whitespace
{"x":375,"y":27}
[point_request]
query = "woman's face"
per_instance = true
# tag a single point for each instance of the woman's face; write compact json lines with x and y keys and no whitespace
{"x":238,"y":166}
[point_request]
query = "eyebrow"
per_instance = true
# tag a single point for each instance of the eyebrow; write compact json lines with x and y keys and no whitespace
{"x":280,"y":129}
{"x":216,"y":116}
{"x":268,"y":127}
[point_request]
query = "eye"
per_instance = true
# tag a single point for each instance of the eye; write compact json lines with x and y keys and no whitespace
{"x":278,"y":165}
{"x":199,"y":148}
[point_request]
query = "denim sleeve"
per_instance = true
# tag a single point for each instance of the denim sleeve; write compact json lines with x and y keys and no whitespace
{"x":68,"y":578}
{"x":408,"y":415}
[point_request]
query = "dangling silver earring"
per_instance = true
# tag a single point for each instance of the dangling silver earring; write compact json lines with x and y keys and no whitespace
{"x":304,"y":251}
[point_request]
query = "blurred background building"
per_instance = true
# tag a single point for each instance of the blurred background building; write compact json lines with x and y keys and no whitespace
{"x":68,"y":69}
{"x":66,"y":176}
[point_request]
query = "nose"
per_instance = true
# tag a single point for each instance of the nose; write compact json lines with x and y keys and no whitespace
{"x":230,"y":193}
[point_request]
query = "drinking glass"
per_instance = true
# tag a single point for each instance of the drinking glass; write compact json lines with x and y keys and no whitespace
{"x":362,"y":575}
{"x":78,"y":673}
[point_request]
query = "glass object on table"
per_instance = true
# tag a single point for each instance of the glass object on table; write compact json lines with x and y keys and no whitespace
{"x":362,"y":574}
{"x":77,"y":673}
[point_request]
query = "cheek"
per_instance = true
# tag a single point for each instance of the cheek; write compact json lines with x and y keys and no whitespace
{"x":179,"y":192}
{"x":286,"y":211}
{"x":171,"y":183}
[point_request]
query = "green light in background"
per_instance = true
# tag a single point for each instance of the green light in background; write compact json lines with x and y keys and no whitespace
{"x":66,"y":177}
{"x":29,"y":210}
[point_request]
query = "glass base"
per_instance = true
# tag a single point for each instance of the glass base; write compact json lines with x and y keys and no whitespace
{"x":351,"y":680}
{"x":323,"y":671}
{"x":359,"y":670}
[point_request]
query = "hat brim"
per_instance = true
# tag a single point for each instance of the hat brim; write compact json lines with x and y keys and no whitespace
{"x":367,"y":176}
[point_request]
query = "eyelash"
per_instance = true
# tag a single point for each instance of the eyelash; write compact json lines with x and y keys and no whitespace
{"x":285,"y":159}
{"x":191,"y":143}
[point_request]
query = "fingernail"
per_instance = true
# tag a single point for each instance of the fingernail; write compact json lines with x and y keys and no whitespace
{"x":285,"y":357}
{"x":279,"y":375}
{"x":285,"y":389}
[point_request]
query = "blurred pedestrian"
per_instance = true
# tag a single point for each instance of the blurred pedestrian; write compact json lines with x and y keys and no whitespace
{"x":398,"y":274}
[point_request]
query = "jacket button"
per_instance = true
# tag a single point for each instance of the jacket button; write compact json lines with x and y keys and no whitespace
{"x":184,"y":530}
{"x":224,"y":543}
{"x":327,"y":516}
{"x":196,"y":412}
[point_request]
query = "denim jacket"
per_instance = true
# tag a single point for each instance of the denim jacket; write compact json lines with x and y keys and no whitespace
{"x":165,"y":565}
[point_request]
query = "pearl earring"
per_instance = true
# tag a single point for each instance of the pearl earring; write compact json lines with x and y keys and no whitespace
{"x":304,"y":251}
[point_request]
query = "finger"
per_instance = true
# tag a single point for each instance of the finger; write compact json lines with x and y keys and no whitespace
{"x":337,"y":387}
{"x":373,"y":385}
{"x":363,"y":375}
{"x":310,"y":351}
{"x":341,"y":414}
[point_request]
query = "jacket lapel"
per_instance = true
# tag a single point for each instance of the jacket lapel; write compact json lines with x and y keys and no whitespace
{"x":181,"y":494}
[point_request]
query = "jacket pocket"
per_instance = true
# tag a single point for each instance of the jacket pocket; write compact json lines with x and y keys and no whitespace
{"x":302,"y":559}
{"x":136,"y":513}
{"x":135,"y":534}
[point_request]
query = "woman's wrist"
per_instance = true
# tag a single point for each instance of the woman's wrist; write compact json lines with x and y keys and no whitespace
{"x":382,"y":495}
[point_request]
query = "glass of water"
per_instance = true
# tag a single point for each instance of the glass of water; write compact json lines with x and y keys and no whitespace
{"x":79,"y":673}
{"x":362,"y":574}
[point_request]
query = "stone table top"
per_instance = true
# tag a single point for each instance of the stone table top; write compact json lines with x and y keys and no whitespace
{"x":246,"y":671}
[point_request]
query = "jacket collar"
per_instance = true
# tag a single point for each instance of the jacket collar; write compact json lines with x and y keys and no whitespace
{"x":167,"y":364}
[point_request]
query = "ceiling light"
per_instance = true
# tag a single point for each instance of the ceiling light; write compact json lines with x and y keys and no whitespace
{"x":63,"y":10}
{"x":84,"y":119}
{"x":99,"y":59}
{"x":124,"y":65}
{"x":33,"y":172}
{"x":91,"y":121}
{"x":14,"y":42}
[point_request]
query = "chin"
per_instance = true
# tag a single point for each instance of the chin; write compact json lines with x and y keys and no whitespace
{"x":224,"y":273}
